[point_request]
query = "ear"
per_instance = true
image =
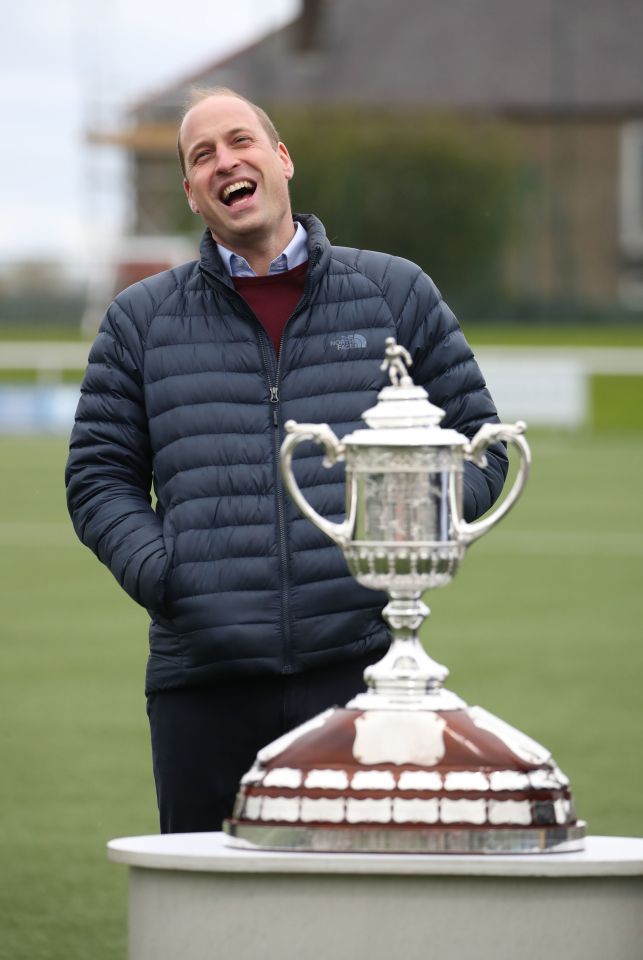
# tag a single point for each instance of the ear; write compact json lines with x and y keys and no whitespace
{"x":188,"y":193}
{"x":286,"y":162}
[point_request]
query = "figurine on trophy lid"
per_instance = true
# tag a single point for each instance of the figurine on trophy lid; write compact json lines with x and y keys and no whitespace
{"x":406,"y":766}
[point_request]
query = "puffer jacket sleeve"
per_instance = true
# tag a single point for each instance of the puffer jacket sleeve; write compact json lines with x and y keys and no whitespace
{"x":109,"y":470}
{"x":444,"y":364}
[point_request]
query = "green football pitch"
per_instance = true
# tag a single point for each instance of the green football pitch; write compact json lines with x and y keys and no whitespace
{"x":542,"y":626}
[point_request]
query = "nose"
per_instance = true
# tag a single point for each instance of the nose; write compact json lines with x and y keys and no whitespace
{"x":226,"y":159}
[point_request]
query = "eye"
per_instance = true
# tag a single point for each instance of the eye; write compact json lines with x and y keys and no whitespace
{"x":242,"y":138}
{"x":199,"y":156}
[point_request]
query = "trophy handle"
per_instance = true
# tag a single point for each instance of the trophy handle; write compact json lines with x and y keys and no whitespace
{"x":487,"y":434}
{"x":321,"y":433}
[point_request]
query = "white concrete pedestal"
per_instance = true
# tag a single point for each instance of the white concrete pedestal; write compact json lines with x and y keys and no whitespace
{"x":192,"y":897}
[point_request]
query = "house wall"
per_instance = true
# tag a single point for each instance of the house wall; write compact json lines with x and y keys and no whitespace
{"x":161,"y":206}
{"x":566,"y":245}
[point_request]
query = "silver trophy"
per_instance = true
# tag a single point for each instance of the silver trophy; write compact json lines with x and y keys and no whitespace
{"x":406,"y":766}
{"x":404,"y":532}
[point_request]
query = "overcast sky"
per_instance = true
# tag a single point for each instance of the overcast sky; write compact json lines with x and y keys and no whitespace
{"x":67,"y":63}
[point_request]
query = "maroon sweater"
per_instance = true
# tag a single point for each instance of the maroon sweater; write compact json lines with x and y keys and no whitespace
{"x":273,"y":298}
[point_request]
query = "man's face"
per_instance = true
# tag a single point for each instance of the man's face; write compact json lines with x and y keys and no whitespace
{"x":235,"y":179}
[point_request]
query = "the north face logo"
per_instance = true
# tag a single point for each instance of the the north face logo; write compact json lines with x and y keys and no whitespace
{"x":349,"y":341}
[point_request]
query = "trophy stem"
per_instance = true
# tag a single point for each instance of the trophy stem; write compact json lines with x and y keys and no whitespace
{"x":406,"y":675}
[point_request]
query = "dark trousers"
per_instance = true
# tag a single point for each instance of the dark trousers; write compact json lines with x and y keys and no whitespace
{"x":205,"y":738}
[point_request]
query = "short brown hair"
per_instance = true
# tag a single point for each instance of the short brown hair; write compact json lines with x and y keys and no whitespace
{"x":197,"y":94}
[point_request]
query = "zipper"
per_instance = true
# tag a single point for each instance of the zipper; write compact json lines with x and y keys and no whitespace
{"x":279,"y":490}
{"x":282,"y":536}
{"x":273,"y":390}
{"x":274,"y":399}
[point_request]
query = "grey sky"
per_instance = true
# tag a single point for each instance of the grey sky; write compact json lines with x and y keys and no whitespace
{"x":69,"y":63}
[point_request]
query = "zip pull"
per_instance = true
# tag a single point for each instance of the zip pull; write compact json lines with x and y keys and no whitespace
{"x":274,"y":398}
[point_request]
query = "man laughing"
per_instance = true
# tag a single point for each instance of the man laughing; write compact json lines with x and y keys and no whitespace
{"x":256,"y":624}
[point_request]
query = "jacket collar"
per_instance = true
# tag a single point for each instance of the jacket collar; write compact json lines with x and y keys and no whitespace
{"x":318,"y":251}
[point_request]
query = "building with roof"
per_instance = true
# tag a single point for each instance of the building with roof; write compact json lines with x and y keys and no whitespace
{"x":564,"y":78}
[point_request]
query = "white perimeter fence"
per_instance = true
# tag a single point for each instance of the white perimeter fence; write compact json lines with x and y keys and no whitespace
{"x":546,"y":386}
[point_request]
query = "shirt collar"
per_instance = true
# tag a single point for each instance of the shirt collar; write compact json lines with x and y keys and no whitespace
{"x":295,"y":253}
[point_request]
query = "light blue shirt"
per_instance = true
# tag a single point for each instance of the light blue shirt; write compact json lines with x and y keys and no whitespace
{"x":295,"y":253}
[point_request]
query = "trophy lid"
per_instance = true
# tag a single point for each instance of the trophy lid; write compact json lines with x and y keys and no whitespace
{"x":403,"y":415}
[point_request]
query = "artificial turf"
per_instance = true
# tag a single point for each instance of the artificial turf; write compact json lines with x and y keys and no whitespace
{"x":542,"y":626}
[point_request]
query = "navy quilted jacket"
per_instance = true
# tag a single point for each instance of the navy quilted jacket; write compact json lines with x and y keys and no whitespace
{"x":184,"y":392}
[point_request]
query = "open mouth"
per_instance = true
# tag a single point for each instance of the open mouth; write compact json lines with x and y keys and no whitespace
{"x":238,"y":191}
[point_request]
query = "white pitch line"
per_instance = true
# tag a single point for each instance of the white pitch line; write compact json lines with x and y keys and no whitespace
{"x":30,"y":533}
{"x":536,"y":542}
{"x":566,"y":543}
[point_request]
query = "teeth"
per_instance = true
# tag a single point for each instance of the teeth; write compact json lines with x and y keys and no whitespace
{"x":236,"y":186}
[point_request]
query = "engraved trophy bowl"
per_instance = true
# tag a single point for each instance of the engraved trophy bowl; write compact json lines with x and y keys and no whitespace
{"x":407,"y":766}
